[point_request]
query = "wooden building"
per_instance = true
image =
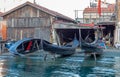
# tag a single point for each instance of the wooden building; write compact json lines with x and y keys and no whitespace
{"x":32,"y":20}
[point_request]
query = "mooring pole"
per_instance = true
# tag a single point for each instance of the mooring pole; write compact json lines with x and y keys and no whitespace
{"x":94,"y":54}
{"x":80,"y":36}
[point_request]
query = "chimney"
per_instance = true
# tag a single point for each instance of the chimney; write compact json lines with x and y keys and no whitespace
{"x":34,"y":2}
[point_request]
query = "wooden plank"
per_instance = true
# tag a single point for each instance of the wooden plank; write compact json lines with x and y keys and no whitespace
{"x":29,"y":22}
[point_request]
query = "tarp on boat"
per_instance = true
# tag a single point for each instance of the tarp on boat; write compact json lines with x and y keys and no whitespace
{"x":13,"y":48}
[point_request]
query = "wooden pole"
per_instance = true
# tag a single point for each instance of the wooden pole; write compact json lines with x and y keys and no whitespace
{"x":94,"y":54}
{"x":80,"y":36}
{"x":57,"y":38}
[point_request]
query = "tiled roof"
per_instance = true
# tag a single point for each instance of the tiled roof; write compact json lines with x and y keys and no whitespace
{"x":110,"y":9}
{"x":53,"y":13}
{"x":111,"y":6}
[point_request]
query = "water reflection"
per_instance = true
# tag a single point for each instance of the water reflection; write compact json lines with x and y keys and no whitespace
{"x":3,"y":68}
{"x":74,"y":66}
{"x":117,"y":66}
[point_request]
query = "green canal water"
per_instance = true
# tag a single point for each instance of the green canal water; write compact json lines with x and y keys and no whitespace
{"x":73,"y":66}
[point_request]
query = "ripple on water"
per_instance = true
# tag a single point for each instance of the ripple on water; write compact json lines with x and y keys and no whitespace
{"x":65,"y":74}
{"x":73,"y":66}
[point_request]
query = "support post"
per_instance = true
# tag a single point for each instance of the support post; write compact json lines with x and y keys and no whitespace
{"x":80,"y":36}
{"x":57,"y":38}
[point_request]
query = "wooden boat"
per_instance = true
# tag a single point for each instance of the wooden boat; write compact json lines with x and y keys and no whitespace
{"x":25,"y":46}
{"x":66,"y":50}
{"x":91,"y":48}
{"x":30,"y":45}
{"x":95,"y":47}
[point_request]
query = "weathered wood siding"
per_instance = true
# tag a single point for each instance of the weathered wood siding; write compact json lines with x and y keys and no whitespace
{"x":19,"y":33}
{"x":43,"y":33}
{"x":27,"y":11}
{"x":29,"y":22}
{"x":19,"y":28}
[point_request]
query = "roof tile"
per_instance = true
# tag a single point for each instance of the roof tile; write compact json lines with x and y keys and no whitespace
{"x":110,"y":9}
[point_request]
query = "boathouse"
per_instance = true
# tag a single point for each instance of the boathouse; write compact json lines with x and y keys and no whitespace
{"x":108,"y":34}
{"x":32,"y":20}
{"x":65,"y":32}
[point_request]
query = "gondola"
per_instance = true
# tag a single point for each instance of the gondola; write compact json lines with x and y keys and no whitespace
{"x":89,"y":48}
{"x":65,"y":50}
{"x":30,"y":45}
{"x":25,"y":46}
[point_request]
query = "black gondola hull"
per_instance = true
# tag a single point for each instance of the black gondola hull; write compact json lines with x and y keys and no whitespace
{"x":61,"y":50}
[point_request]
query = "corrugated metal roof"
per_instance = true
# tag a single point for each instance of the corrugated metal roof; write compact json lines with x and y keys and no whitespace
{"x":51,"y":12}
